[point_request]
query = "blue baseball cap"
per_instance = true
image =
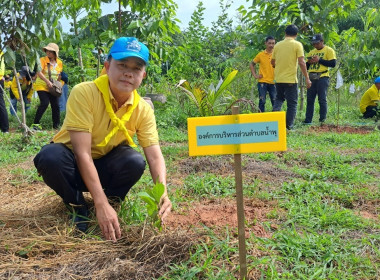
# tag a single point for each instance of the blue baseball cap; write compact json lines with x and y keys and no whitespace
{"x":377,"y":80}
{"x":125,"y":47}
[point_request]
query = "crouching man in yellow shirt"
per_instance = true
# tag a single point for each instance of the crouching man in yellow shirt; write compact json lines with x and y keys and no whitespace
{"x":93,"y":150}
{"x":370,"y":100}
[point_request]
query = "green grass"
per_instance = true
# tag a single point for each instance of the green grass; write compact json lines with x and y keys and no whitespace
{"x":320,"y":233}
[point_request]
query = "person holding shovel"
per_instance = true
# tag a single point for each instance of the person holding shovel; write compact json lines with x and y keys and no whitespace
{"x":94,"y":152}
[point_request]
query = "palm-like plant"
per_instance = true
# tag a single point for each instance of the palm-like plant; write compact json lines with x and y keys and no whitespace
{"x":206,"y":101}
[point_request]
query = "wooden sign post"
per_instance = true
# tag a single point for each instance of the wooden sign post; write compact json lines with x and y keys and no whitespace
{"x":237,"y":134}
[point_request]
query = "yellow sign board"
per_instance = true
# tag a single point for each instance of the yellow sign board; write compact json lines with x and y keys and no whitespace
{"x":237,"y":134}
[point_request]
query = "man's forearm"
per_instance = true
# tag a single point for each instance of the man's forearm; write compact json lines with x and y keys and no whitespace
{"x":304,"y":69}
{"x":253,"y":70}
{"x":327,"y":63}
{"x":90,"y":178}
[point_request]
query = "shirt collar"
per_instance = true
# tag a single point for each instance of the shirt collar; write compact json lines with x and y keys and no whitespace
{"x":102,"y":83}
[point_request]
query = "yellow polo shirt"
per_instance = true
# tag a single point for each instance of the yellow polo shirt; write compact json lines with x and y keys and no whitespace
{"x":2,"y":65}
{"x":326,"y":53}
{"x":7,"y":84}
{"x":265,"y":69}
{"x":369,"y":98}
{"x":56,"y":69}
{"x":86,"y":112}
{"x":286,"y":54}
{"x":23,"y":84}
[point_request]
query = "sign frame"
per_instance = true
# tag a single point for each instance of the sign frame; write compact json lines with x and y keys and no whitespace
{"x":218,"y":148}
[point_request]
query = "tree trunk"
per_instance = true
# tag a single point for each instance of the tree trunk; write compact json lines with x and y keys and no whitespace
{"x":98,"y":63}
{"x":80,"y":60}
{"x":119,"y":19}
{"x":23,"y":122}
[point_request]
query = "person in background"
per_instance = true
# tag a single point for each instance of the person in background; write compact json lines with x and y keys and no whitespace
{"x":319,"y":60}
{"x":24,"y":78}
{"x":4,"y":121}
{"x":94,"y":152}
{"x":7,"y":82}
{"x":43,"y":84}
{"x":370,"y":101}
{"x":65,"y":92}
{"x":266,"y":73}
{"x":287,"y":55}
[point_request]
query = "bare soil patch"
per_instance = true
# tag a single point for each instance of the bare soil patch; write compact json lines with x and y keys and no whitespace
{"x":224,"y":165}
{"x":342,"y":129}
{"x":368,"y":209}
{"x":219,"y":214}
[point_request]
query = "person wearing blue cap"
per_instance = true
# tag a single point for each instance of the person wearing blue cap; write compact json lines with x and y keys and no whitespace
{"x":370,"y":100}
{"x":94,"y":152}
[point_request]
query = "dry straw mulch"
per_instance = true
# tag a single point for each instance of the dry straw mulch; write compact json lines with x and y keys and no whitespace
{"x":36,"y":242}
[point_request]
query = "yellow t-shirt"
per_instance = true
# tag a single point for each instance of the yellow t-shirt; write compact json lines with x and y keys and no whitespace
{"x":326,"y":53}
{"x":86,"y":112}
{"x":265,"y":69}
{"x":2,"y":65}
{"x":369,"y":98}
{"x":55,"y":71}
{"x":286,"y":54}
{"x":7,"y":84}
{"x":24,"y":84}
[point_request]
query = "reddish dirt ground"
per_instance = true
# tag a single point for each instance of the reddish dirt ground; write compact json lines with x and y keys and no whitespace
{"x":218,"y":214}
{"x":342,"y":129}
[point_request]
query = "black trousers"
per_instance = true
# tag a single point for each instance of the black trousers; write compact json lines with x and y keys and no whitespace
{"x":4,"y":122}
{"x":45,"y":99}
{"x":118,"y":171}
{"x":370,"y":112}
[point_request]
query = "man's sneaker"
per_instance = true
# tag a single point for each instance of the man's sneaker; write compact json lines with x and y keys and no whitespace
{"x":36,"y":127}
{"x":306,"y":123}
{"x":79,"y":216}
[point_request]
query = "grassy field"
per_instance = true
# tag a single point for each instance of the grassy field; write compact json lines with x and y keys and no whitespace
{"x":311,"y":212}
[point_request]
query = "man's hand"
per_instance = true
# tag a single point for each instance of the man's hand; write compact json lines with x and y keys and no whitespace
{"x":108,"y":221}
{"x":314,"y":59}
{"x":165,"y":208}
{"x":308,"y":83}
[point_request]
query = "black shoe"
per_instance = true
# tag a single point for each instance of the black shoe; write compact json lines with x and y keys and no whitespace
{"x":79,"y":216}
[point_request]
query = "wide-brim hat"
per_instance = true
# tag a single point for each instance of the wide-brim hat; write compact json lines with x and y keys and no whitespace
{"x":52,"y":47}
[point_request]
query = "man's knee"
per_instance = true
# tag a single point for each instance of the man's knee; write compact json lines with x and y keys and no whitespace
{"x":125,"y":158}
{"x":49,"y":157}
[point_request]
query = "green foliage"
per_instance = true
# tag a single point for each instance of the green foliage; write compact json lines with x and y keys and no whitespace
{"x":203,"y":52}
{"x":152,"y":198}
{"x":209,"y":185}
{"x":362,"y":47}
{"x":208,"y":102}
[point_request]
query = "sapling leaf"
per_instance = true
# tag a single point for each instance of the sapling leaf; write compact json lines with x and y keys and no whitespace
{"x":152,"y":199}
{"x":147,"y":198}
{"x":157,"y":192}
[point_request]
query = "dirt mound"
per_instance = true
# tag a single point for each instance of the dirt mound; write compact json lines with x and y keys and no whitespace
{"x":342,"y":129}
{"x":224,"y":165}
{"x":220,"y":214}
